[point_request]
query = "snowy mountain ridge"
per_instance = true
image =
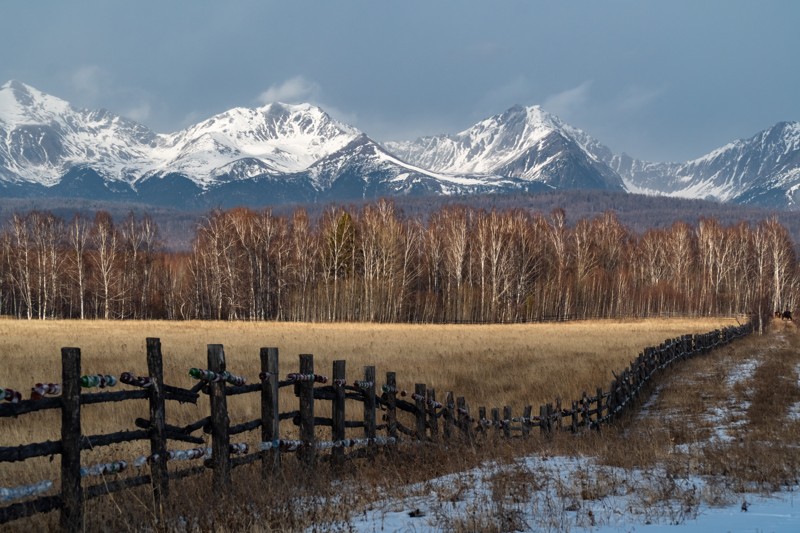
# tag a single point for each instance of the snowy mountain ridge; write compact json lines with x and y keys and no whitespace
{"x":297,"y":152}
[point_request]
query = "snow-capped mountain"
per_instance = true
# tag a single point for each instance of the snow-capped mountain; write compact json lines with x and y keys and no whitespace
{"x":44,"y":137}
{"x":763,"y":170}
{"x":298,"y":153}
{"x":526,"y":143}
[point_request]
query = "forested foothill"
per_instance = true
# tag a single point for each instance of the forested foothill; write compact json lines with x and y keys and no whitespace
{"x":375,"y":262}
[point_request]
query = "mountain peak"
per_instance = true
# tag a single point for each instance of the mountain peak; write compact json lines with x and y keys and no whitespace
{"x":20,"y":102}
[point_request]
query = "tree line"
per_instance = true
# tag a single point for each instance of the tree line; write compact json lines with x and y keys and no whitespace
{"x":372,"y":263}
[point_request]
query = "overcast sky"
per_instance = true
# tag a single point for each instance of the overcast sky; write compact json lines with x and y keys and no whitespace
{"x":667,"y":80}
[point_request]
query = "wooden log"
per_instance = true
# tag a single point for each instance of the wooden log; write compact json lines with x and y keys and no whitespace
{"x":220,"y":440}
{"x":305,"y":392}
{"x":558,"y":413}
{"x":463,"y":417}
{"x":574,"y":418}
{"x":71,"y":518}
{"x":543,"y":421}
{"x":405,"y":431}
{"x":244,"y":427}
{"x":338,"y":411}
{"x":584,"y":409}
{"x":19,"y":510}
{"x":433,"y":421}
{"x":526,"y":421}
{"x":599,"y":414}
{"x":369,"y":402}
{"x":112,"y":486}
{"x":482,"y":420}
{"x":449,"y":407}
{"x":391,"y":404}
{"x":270,"y":422}
{"x":242,"y":389}
{"x":419,"y":390}
{"x":507,"y":422}
{"x":158,"y":429}
{"x":496,"y":420}
{"x":28,"y":406}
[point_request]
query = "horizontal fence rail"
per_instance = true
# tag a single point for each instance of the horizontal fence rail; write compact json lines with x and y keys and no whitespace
{"x":423,"y":419}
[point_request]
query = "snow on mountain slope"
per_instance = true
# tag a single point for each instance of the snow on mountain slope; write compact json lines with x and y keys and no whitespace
{"x":363,"y":168}
{"x":42,"y":137}
{"x":526,"y":143}
{"x":285,"y":138}
{"x":489,"y":144}
{"x":297,"y":152}
{"x":762,"y":170}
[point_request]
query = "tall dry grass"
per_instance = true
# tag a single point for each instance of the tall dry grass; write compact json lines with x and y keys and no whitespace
{"x":491,"y":365}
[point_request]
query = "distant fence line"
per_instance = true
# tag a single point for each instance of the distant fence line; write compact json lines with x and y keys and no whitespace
{"x":432,"y":421}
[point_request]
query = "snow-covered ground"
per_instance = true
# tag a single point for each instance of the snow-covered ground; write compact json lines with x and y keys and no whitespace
{"x":541,"y":493}
{"x":576,"y":494}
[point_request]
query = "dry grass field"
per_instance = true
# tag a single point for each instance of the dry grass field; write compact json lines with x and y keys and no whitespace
{"x":491,"y":365}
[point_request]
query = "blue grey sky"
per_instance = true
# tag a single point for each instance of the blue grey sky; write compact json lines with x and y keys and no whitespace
{"x":664,"y":81}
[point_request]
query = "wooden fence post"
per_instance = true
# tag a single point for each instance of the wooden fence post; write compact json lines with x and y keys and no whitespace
{"x":220,"y":440}
{"x":599,"y":415}
{"x":482,"y":420}
{"x":337,"y":411}
{"x":71,"y":492}
{"x":496,"y":420}
{"x":369,"y":402}
{"x":270,"y":423}
{"x":391,"y":407}
{"x":419,"y":390}
{"x":434,"y":422}
{"x":449,"y":407}
{"x":544,"y":421}
{"x":158,"y":431}
{"x":507,"y":422}
{"x":305,"y":391}
{"x":463,"y":416}
{"x":526,"y":421}
{"x":558,"y":413}
{"x":575,"y":411}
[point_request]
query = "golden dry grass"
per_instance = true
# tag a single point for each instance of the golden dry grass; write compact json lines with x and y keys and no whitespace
{"x":491,"y":365}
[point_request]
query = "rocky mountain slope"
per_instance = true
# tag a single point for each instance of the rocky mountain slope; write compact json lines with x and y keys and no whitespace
{"x":282,"y":153}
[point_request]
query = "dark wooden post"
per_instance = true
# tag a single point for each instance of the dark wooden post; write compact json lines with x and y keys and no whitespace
{"x":270,"y":423}
{"x":599,"y":406}
{"x":507,"y":422}
{"x":526,"y":421}
{"x":482,"y":420}
{"x":369,"y":402}
{"x":419,"y":390}
{"x":463,"y":416}
{"x":71,"y":492}
{"x":496,"y":420}
{"x":391,"y":400}
{"x":558,"y":413}
{"x":585,"y":409}
{"x":158,"y":431}
{"x":220,"y":440}
{"x":305,"y":391}
{"x":575,"y":411}
{"x":449,"y":407}
{"x":543,"y":420}
{"x":434,"y":422}
{"x":337,"y":411}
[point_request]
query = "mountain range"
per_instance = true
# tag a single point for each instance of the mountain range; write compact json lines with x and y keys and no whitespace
{"x":282,"y":153}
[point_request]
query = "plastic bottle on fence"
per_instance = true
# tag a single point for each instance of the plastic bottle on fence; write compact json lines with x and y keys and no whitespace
{"x":10,"y":395}
{"x":90,"y":381}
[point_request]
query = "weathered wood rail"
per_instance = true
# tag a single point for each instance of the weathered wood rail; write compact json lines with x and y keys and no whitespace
{"x":422,"y":419}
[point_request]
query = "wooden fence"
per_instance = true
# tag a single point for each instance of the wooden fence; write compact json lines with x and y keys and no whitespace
{"x":432,"y":421}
